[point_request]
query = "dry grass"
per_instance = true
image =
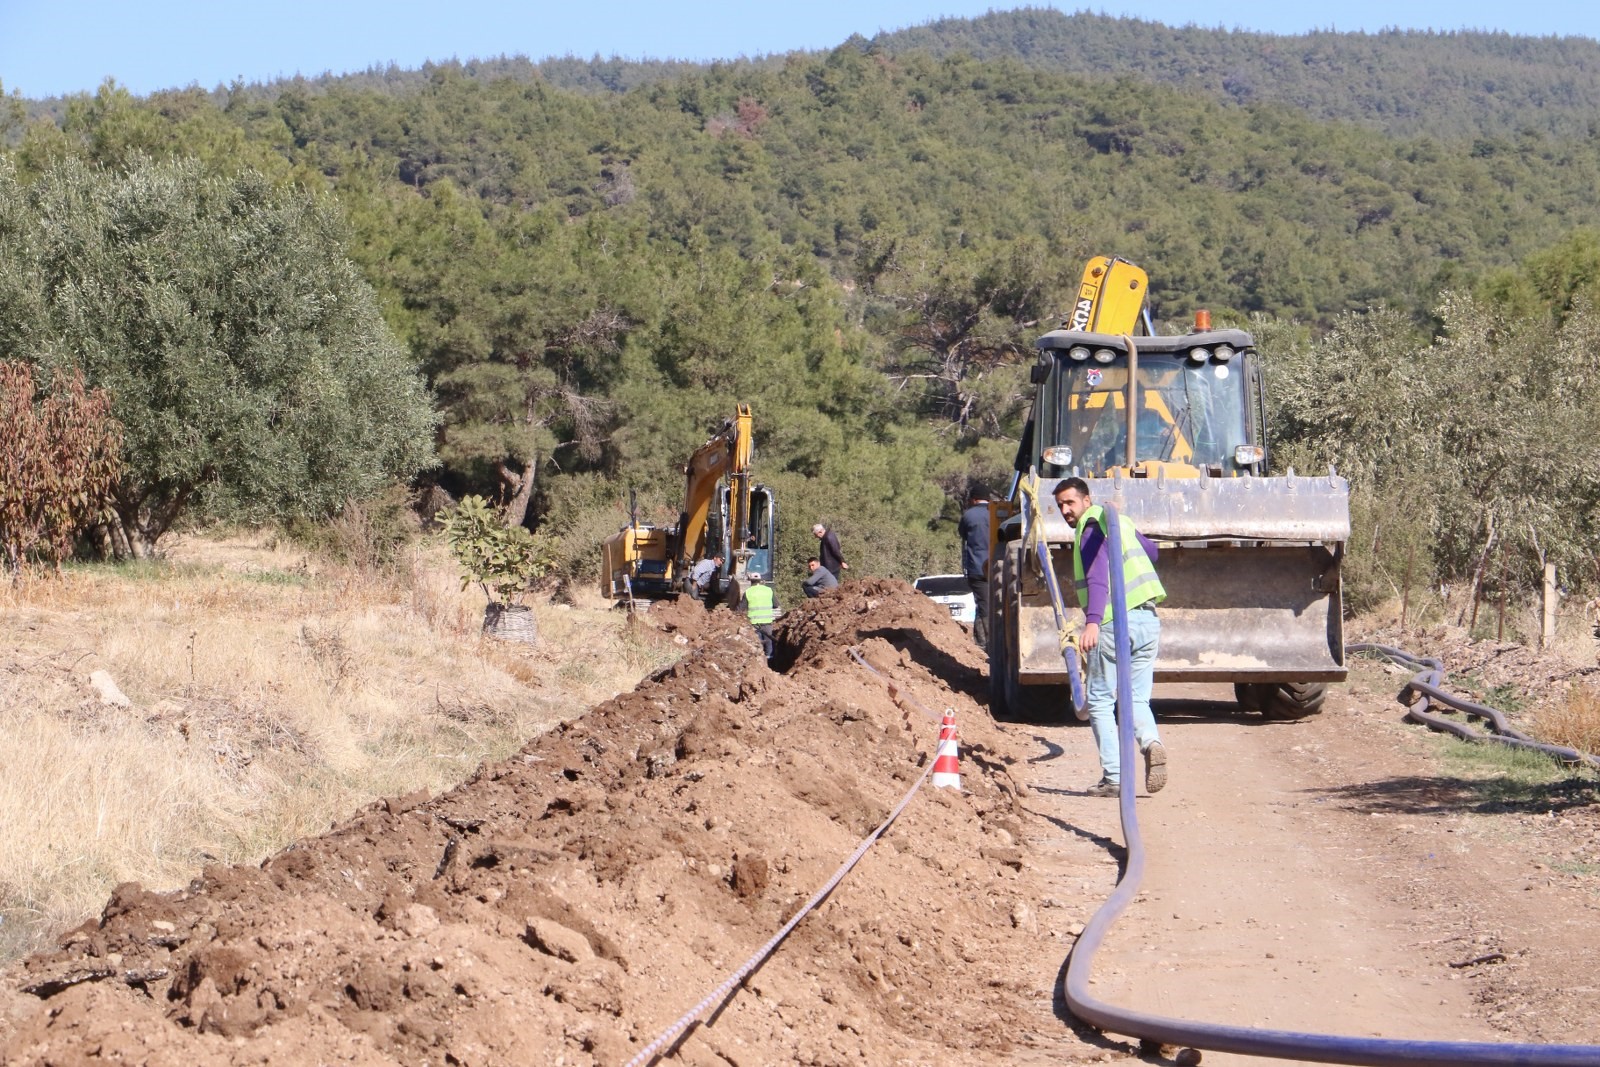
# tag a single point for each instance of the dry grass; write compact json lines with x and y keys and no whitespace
{"x":270,"y":693}
{"x":1574,"y":722}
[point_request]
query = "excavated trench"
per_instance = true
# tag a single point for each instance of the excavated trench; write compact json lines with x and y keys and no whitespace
{"x":570,"y":904}
{"x":567,"y":904}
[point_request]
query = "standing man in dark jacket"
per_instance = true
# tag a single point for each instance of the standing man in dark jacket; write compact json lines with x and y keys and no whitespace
{"x":828,"y":550}
{"x":974,"y":531}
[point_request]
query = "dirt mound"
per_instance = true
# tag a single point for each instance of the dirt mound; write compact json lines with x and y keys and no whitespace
{"x":567,"y":904}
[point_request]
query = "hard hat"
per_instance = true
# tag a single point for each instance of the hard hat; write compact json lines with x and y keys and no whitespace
{"x":754,"y":576}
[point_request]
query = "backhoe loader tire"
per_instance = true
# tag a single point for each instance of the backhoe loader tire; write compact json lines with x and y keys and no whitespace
{"x":1038,"y":703}
{"x":1293,"y":700}
{"x":1008,"y":698}
{"x":1249,"y":695}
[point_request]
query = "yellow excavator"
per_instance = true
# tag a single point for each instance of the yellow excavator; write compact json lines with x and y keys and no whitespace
{"x":724,"y":515}
{"x":1171,"y":431}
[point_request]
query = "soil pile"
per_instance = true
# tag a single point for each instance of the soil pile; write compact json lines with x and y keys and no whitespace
{"x":567,"y":905}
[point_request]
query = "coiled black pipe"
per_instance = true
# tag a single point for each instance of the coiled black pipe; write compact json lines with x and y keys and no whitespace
{"x":1426,"y":685}
{"x":1244,"y":1040}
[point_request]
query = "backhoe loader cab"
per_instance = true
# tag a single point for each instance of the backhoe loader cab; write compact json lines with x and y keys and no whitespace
{"x":1195,"y":396}
{"x":1249,"y":560}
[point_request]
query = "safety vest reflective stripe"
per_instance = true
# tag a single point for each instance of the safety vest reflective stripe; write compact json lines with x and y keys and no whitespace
{"x":759,"y":605}
{"x":1132,"y":578}
{"x":1141,"y":584}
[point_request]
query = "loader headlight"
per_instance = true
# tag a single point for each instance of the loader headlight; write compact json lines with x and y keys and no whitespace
{"x":1104,"y":355}
{"x":1199,"y":355}
{"x":1078,"y":352}
{"x":1224,"y":353}
{"x":1058,"y":455}
{"x":1249,"y":455}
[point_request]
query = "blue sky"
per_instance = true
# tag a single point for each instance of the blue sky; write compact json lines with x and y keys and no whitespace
{"x":53,"y":47}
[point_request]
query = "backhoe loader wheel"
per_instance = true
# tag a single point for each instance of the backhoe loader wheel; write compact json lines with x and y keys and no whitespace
{"x":1293,"y":700}
{"x":1249,"y":695}
{"x":1038,"y":703}
{"x":1009,"y":700}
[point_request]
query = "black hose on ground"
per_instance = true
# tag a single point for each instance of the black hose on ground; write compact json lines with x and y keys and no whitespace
{"x":1421,"y":691}
{"x":1248,"y":1041}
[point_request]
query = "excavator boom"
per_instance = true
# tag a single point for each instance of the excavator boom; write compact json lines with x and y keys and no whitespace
{"x":727,"y":453}
{"x":724,"y":514}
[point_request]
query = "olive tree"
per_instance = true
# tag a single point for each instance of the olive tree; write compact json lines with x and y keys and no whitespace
{"x":1473,"y":455}
{"x":243,"y":351}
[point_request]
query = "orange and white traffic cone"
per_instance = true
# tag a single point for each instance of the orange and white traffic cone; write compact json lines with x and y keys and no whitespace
{"x":946,"y":768}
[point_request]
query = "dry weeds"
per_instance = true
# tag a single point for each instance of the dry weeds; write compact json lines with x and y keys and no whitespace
{"x":269,"y":693}
{"x":1574,"y":722}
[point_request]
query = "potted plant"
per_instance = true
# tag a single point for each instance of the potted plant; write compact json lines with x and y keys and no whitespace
{"x":502,"y":559}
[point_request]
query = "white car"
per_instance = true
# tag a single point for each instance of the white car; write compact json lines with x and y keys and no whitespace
{"x":953,"y":592}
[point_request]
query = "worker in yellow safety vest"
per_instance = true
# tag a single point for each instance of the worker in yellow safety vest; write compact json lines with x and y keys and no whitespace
{"x":1092,"y":576}
{"x":761,"y":608}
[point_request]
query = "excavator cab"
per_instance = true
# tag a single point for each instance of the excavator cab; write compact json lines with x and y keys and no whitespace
{"x":745,"y":548}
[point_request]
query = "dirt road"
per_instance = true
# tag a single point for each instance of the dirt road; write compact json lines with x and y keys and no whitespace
{"x":565,"y":906}
{"x":1324,"y":876}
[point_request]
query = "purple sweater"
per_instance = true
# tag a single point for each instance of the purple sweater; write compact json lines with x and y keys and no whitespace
{"x":1099,"y":575}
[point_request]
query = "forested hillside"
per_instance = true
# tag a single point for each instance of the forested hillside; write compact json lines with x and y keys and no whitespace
{"x":1404,"y":82}
{"x":591,"y":263}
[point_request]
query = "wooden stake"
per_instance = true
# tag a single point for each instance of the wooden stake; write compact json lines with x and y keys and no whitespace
{"x":1548,"y":636}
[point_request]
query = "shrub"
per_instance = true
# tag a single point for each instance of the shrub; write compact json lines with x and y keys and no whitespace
{"x":59,"y":458}
{"x":503,"y":559}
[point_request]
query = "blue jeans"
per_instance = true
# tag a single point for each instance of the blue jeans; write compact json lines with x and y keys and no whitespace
{"x":1144,"y":633}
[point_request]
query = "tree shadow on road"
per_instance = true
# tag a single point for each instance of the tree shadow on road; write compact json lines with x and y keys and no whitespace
{"x":1418,"y":795}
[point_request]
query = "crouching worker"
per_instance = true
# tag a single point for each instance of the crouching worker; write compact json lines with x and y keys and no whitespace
{"x":1092,"y":576}
{"x":701,"y":577}
{"x":818,"y":579}
{"x":761,"y":608}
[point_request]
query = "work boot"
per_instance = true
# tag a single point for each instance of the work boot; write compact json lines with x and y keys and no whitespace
{"x":1104,"y":788}
{"x":1155,"y":766}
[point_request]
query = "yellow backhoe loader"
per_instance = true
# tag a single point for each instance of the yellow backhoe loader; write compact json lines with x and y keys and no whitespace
{"x":1171,"y":431}
{"x":724,"y":515}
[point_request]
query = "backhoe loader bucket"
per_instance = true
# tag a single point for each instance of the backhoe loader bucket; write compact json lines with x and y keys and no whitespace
{"x":1251,"y":569}
{"x":1287,"y":508}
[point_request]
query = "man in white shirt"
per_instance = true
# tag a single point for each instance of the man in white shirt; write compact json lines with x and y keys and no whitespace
{"x":702,"y":575}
